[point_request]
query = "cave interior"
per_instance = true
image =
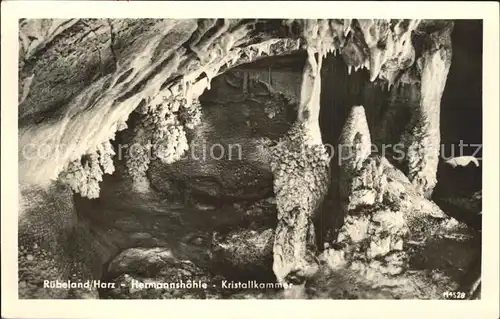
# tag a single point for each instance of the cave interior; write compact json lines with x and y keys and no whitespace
{"x":206,"y":216}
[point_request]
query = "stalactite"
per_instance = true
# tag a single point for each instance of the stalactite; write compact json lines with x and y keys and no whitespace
{"x":137,"y":159}
{"x":84,"y":174}
{"x":161,"y":134}
{"x":388,"y":42}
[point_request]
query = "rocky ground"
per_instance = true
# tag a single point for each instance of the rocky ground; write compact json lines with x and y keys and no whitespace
{"x":154,"y":240}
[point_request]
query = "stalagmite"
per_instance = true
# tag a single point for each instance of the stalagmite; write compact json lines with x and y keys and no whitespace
{"x":301,"y":174}
{"x":355,"y":130}
{"x":381,"y":208}
{"x":423,"y":135}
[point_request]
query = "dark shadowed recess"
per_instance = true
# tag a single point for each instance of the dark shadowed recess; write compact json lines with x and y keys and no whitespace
{"x":462,"y":125}
{"x":462,"y":105}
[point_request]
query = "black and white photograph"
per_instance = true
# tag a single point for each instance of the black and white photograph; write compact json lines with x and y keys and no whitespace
{"x":250,"y":158}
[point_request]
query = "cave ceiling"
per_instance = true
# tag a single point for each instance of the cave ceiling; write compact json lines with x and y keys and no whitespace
{"x":98,"y":71}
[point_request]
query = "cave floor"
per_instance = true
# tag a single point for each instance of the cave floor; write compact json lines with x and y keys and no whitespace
{"x":121,"y":219}
{"x":132,"y":219}
{"x":133,"y":229}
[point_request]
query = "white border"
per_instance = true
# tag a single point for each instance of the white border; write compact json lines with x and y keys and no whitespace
{"x":487,"y":307}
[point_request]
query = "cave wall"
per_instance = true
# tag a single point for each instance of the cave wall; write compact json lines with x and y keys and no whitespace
{"x":341,"y":90}
{"x":462,"y":111}
{"x":74,"y":71}
{"x":225,"y":162}
{"x":461,"y":107}
{"x":284,"y":80}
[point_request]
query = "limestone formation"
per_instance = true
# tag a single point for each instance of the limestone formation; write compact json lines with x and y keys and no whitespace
{"x":82,"y":80}
{"x":300,"y":184}
{"x":55,"y":248}
{"x":300,"y":166}
{"x":384,"y":213}
{"x":423,"y":136}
